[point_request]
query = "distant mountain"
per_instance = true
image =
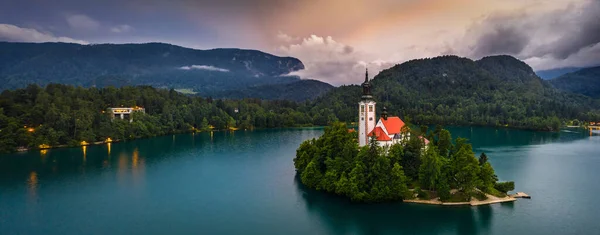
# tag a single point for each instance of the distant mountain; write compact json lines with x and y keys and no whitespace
{"x":296,"y":91}
{"x":554,"y":73}
{"x":161,"y":65}
{"x":585,"y":81}
{"x":450,"y":90}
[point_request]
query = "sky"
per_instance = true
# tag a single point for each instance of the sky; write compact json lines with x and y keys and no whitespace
{"x":335,"y":39}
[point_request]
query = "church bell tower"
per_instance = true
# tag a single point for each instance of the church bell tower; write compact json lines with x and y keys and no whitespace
{"x":366,"y":112}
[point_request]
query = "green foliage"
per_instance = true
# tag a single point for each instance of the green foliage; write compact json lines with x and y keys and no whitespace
{"x":487,"y":177}
{"x":482,"y":159}
{"x":443,"y":189}
{"x":367,"y":174}
{"x":295,"y":91}
{"x":444,"y":142}
{"x":505,"y":187}
{"x":585,"y":81}
{"x":494,"y":91}
{"x":155,"y":64}
{"x":411,"y":161}
{"x":63,"y":115}
{"x":430,"y":169}
{"x":311,"y":176}
{"x":334,"y":163}
{"x":465,"y":169}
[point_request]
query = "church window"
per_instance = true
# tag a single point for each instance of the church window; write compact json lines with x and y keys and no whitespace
{"x":362,"y":118}
{"x":371,"y":119}
{"x":370,"y":108}
{"x":362,"y":108}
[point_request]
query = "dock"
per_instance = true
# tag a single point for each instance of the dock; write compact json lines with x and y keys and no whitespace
{"x":520,"y":195}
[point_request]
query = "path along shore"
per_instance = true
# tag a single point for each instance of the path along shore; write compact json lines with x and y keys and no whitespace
{"x":474,"y":202}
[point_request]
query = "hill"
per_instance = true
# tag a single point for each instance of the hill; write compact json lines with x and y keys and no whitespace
{"x":156,"y":64}
{"x":585,"y":81}
{"x":450,"y":90}
{"x":554,"y":73}
{"x":295,"y":91}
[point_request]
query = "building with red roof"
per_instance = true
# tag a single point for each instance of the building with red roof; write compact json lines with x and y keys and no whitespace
{"x":387,"y":130}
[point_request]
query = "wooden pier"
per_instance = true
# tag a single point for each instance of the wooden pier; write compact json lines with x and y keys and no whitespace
{"x":520,"y":195}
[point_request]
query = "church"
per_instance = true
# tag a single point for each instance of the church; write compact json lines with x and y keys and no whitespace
{"x":386,"y":130}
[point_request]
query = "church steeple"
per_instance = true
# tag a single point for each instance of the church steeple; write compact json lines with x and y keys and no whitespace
{"x":366,"y":87}
{"x":366,"y":112}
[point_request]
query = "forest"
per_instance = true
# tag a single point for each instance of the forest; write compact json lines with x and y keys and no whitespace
{"x":58,"y":115}
{"x":335,"y":164}
{"x":498,"y":91}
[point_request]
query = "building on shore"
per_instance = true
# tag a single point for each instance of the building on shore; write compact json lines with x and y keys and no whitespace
{"x":125,"y":113}
{"x":388,"y":130}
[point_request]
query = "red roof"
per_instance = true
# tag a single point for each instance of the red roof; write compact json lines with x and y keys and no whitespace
{"x":380,"y":134}
{"x":392,"y":124}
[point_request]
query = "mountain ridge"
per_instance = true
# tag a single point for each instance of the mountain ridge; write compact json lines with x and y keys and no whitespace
{"x":156,"y":64}
{"x":452,"y":90}
{"x":584,"y":81}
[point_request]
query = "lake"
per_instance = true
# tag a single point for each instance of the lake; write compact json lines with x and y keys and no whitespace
{"x":244,"y":183}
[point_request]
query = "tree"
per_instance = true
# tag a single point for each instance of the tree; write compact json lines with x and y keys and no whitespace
{"x":444,"y":142}
{"x":505,"y":187}
{"x":411,"y":160}
{"x":466,"y":169}
{"x":398,"y":182}
{"x":487,"y":176}
{"x":482,"y":159}
{"x":358,"y":183}
{"x":311,"y":176}
{"x":430,"y":169}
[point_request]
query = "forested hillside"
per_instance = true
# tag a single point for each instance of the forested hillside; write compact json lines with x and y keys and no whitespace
{"x":296,"y":91}
{"x":449,"y":90}
{"x":156,"y":64}
{"x":66,"y":115}
{"x":585,"y":81}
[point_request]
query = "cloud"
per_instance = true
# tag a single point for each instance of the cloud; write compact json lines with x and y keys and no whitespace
{"x":569,"y":36}
{"x":204,"y":67}
{"x":82,"y":22}
{"x":121,"y":28}
{"x":14,"y":33}
{"x":285,"y":38}
{"x":328,"y":60}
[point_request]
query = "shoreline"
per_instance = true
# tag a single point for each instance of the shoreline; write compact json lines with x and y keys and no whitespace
{"x":474,"y":202}
{"x":24,"y":150}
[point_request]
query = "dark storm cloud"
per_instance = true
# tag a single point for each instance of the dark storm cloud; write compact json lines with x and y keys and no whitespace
{"x":583,"y":30}
{"x":558,"y":34}
{"x":501,"y":39}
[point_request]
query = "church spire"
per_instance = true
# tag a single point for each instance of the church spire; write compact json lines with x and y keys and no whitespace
{"x":366,"y":87}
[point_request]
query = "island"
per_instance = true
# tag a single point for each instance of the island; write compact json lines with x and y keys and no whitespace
{"x":440,"y":172}
{"x":388,"y":161}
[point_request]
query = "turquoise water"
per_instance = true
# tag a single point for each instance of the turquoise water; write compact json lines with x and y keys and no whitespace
{"x":244,"y":183}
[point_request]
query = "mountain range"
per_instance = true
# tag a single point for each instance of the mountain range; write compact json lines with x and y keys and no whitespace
{"x":584,"y":81}
{"x":220,"y":72}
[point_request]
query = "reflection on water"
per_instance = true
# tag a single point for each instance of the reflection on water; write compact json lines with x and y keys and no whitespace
{"x":32,"y":184}
{"x":344,"y":217}
{"x":218,"y":183}
{"x":108,"y":146}
{"x":84,"y":148}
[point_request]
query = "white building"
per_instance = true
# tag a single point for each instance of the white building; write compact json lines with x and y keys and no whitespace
{"x":125,"y":113}
{"x":387,"y":130}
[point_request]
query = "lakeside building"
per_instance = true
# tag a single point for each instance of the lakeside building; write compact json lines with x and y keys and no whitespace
{"x":388,"y":130}
{"x":125,"y":113}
